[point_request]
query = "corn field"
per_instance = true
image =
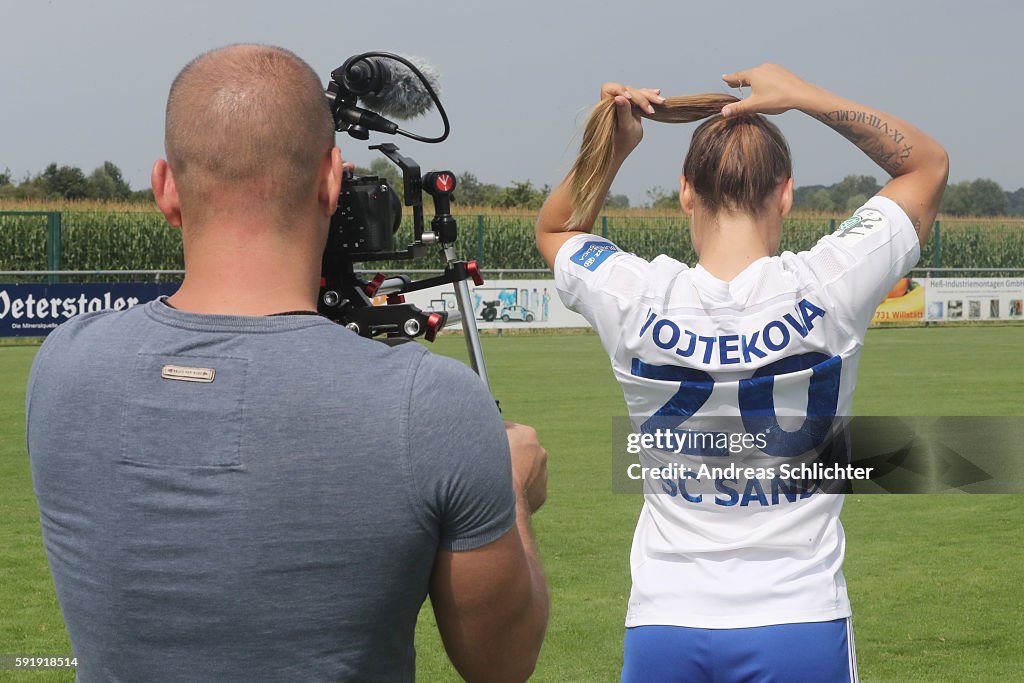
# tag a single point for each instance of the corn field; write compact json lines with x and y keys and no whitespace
{"x":98,"y":238}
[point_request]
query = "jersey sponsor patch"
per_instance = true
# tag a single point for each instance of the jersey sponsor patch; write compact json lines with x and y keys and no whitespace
{"x":860,"y":225}
{"x":592,"y":254}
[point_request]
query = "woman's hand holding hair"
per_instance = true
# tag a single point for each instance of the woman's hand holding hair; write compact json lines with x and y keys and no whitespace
{"x":773,"y":90}
{"x":629,"y":102}
{"x":612,"y":132}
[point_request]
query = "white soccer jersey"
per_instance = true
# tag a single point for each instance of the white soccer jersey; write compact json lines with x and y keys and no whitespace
{"x":782,"y":339}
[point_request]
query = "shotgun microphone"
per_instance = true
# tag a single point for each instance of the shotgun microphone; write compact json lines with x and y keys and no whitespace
{"x":387,"y":86}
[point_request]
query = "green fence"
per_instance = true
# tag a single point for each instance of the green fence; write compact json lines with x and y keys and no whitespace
{"x":87,"y":240}
{"x":31,"y":238}
{"x":141,"y":240}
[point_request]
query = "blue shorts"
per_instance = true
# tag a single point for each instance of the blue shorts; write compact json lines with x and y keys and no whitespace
{"x":815,"y":652}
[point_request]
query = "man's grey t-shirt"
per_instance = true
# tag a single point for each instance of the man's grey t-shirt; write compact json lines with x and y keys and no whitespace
{"x":279,"y":522}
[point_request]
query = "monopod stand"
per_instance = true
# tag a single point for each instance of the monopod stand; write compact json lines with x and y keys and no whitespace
{"x":469,"y":329}
{"x":440,"y":185}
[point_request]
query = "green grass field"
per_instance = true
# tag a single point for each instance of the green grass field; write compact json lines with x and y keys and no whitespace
{"x":936,"y":581}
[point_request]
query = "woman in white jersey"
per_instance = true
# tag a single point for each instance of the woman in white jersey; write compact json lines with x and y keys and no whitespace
{"x":734,"y":582}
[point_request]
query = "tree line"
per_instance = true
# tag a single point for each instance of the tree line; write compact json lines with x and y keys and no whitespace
{"x":981,"y":197}
{"x":105,"y":183}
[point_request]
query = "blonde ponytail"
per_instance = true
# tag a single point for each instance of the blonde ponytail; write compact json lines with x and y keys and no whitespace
{"x":593,"y":164}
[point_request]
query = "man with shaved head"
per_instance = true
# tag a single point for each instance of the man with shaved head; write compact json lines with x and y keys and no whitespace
{"x":233,"y":488}
{"x":224,"y":104}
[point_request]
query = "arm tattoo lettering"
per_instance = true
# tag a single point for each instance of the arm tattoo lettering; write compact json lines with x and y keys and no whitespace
{"x":884,"y":144}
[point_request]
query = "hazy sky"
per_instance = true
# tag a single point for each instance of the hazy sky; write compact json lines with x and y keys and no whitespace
{"x":83,"y":81}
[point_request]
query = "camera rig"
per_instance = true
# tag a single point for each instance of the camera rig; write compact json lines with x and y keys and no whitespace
{"x":370,"y":213}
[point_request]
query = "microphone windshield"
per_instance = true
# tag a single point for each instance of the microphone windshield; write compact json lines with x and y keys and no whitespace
{"x":403,"y":95}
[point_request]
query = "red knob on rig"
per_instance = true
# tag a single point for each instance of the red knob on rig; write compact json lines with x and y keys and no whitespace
{"x":435,"y":321}
{"x":474,"y":272}
{"x":372,"y":286}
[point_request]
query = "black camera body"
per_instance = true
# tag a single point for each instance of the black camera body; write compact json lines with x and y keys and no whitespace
{"x":363,"y":230}
{"x":368,"y":216}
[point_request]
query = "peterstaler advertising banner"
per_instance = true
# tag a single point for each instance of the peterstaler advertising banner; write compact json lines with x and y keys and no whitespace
{"x":32,"y":310}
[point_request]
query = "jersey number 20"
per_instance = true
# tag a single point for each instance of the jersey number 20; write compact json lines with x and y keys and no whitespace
{"x":756,"y":399}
